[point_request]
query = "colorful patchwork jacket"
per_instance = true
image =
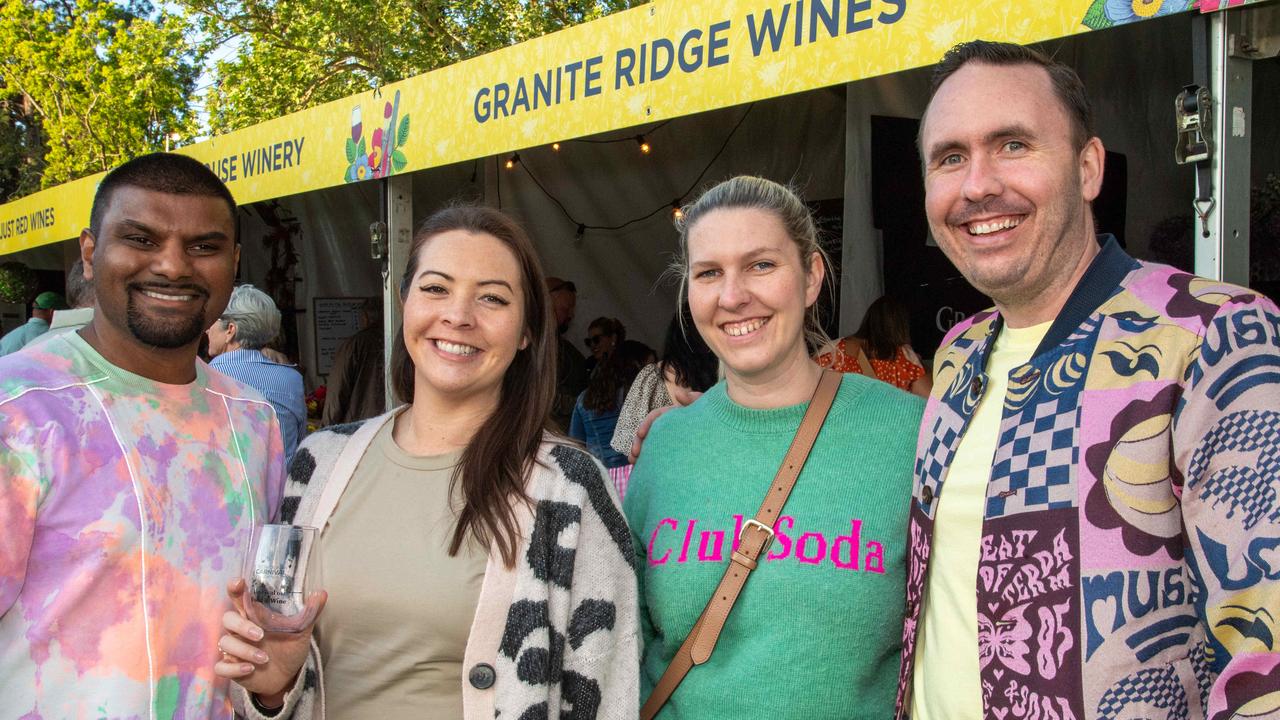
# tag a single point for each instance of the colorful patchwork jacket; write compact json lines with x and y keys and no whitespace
{"x":1130,"y":562}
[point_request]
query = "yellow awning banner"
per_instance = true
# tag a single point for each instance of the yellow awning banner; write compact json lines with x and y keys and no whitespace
{"x":667,"y":59}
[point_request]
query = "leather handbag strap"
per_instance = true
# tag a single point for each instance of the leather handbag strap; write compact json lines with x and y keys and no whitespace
{"x":753,"y":543}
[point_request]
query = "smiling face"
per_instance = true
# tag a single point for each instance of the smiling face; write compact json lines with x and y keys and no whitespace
{"x":601,"y":341}
{"x":748,"y":292}
{"x":464,"y":316}
{"x":1006,"y":191}
{"x":162,"y":268}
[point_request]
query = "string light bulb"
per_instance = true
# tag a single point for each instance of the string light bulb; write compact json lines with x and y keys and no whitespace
{"x":555,"y":147}
{"x":677,"y":213}
{"x":644,"y":144}
{"x":513,"y":160}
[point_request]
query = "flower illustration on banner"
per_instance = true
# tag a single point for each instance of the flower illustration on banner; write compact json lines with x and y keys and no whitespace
{"x":378,"y":153}
{"x":1108,"y":13}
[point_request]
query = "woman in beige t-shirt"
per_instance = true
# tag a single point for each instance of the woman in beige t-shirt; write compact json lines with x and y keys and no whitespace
{"x":476,"y":564}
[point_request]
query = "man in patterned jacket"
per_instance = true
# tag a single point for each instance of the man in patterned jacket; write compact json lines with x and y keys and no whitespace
{"x":1095,"y":527}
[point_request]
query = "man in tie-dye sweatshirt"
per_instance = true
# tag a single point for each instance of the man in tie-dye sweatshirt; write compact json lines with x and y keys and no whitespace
{"x":131,"y":472}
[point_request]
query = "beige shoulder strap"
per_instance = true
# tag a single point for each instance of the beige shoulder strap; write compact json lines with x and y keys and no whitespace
{"x":344,"y":467}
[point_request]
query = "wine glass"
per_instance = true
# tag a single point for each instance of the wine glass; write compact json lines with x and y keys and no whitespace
{"x":282,"y":569}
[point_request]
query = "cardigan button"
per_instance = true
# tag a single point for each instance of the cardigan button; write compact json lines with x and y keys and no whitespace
{"x":482,"y":676}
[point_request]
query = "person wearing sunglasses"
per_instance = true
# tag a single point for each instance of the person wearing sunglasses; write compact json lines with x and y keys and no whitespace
{"x":603,"y":335}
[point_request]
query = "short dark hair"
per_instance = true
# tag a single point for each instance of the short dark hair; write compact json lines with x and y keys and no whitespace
{"x":160,"y":172}
{"x":1066,"y":83}
{"x":686,"y":355}
{"x":555,"y":285}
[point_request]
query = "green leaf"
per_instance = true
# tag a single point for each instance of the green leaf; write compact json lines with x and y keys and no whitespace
{"x":351,"y":150}
{"x":1096,"y":17}
{"x":398,"y":161}
{"x":402,"y":135}
{"x":361,"y":150}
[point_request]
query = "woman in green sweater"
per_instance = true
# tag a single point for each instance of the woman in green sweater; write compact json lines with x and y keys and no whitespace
{"x":815,"y":634}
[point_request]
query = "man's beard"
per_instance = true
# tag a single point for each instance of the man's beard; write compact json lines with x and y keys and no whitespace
{"x":168,"y":333}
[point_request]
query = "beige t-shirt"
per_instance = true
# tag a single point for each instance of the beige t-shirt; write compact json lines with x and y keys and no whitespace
{"x":394,"y":631}
{"x":947,"y":684}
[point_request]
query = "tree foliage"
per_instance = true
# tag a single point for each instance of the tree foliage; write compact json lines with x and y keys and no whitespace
{"x":22,"y":145}
{"x":88,"y":84}
{"x":297,"y":53}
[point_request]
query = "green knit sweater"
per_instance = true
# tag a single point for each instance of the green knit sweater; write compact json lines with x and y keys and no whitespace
{"x":817,"y":630}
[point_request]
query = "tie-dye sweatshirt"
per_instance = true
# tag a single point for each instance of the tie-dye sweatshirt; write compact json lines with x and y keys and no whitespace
{"x":125,"y":507}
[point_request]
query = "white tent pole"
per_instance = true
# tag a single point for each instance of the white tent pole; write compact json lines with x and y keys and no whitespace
{"x":398,"y":212}
{"x":1222,"y":232}
{"x":861,"y":249}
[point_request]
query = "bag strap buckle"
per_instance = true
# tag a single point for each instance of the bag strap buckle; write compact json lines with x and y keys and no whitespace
{"x":768,"y":536}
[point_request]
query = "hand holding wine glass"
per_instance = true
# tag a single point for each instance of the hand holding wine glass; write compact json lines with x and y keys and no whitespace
{"x":276,"y":605}
{"x":282,"y":569}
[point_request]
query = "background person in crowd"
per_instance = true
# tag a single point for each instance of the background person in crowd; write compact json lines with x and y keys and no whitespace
{"x":131,"y":474}
{"x":596,"y":412}
{"x":42,"y":309}
{"x":687,"y":369}
{"x":828,"y":596}
{"x":640,"y":351}
{"x":236,"y":340}
{"x":80,"y":299}
{"x":603,"y":335}
{"x":467,"y":540}
{"x":357,"y":381}
{"x":884,"y":342}
{"x":1098,"y":483}
{"x":571,"y":366}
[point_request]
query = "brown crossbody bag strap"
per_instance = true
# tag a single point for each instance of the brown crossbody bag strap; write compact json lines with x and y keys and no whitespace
{"x":753,"y":543}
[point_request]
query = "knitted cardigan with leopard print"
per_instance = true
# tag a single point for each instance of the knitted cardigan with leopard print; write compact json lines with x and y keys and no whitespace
{"x":559,"y":630}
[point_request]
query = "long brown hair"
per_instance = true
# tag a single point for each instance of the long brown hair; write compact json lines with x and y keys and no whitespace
{"x":885,"y":328}
{"x":614,"y":376}
{"x":500,"y":455}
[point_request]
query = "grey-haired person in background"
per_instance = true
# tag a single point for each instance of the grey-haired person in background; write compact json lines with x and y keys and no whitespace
{"x":236,"y":342}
